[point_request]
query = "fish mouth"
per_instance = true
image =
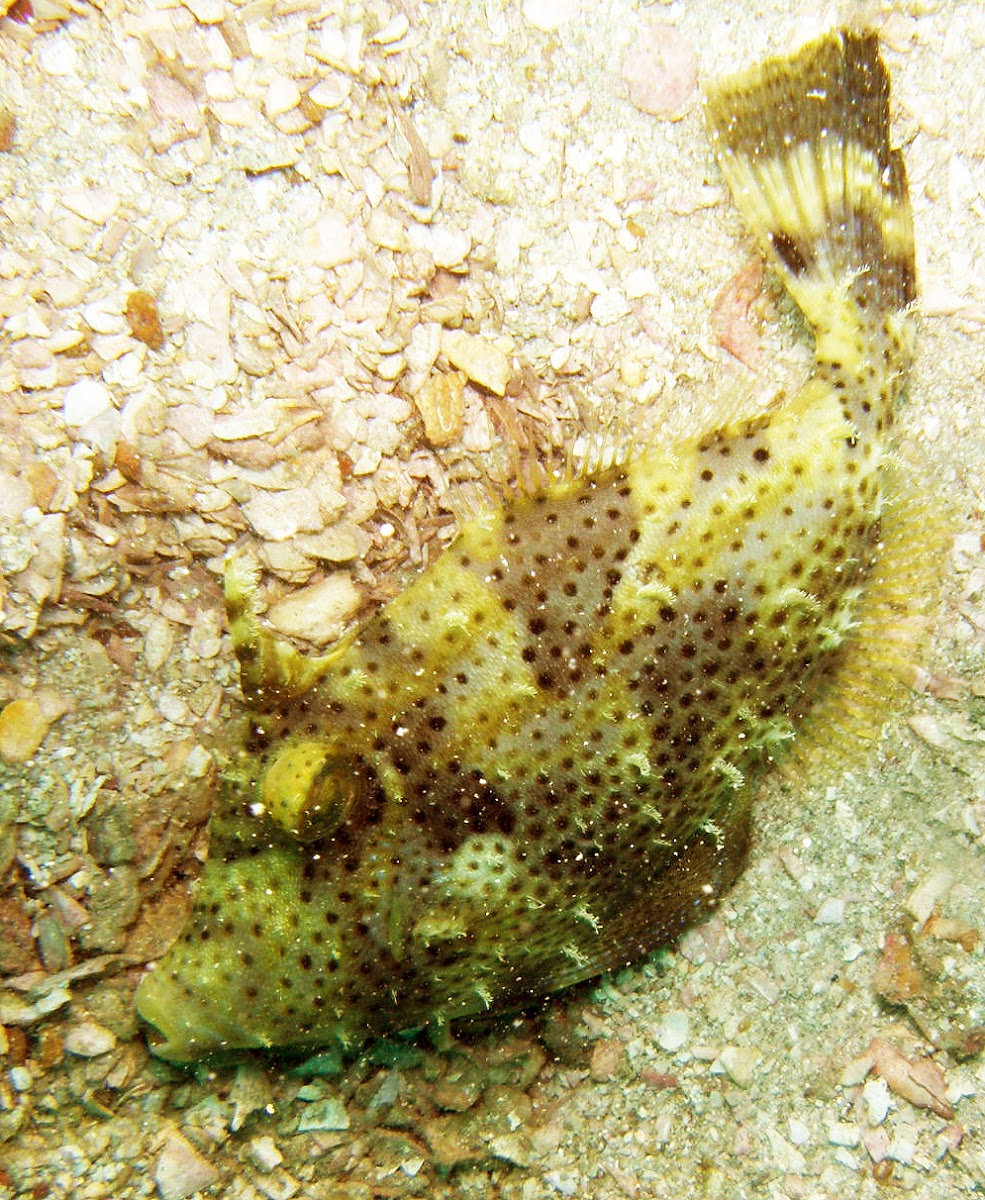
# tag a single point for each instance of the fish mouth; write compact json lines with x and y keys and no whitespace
{"x":186,"y":1027}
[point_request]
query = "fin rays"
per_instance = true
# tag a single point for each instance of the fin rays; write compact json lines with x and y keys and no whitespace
{"x":821,"y":188}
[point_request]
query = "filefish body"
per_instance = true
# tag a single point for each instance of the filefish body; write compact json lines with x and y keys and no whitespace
{"x":536,"y":763}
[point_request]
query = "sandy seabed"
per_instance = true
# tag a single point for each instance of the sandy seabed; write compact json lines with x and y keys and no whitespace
{"x":381,"y":241}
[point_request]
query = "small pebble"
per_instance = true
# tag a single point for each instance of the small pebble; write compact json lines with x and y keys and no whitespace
{"x":481,"y":361}
{"x":902,"y":1149}
{"x":278,"y":516}
{"x":8,"y":128}
{"x":739,"y":1063}
{"x":144,"y":320}
{"x":786,"y":1156}
{"x":331,"y":242}
{"x":950,"y":929}
{"x":897,"y":976}
{"x":256,"y":422}
{"x":318,"y":612}
{"x":85,"y":400}
{"x":331,"y":92}
{"x":548,"y":15}
{"x":799,"y":1133}
{"x":197,"y":763}
{"x":929,"y":891}
{"x":173,"y":708}
{"x":660,"y":70}
{"x":282,"y":95}
{"x":16,"y":1011}
{"x":843,"y":1133}
{"x":831,"y":912}
{"x":158,"y":642}
{"x":385,"y":230}
{"x":441,"y":402}
{"x":20,"y":1079}
{"x":392,"y":31}
{"x":921,"y":1081}
{"x":50,"y":1048}
{"x":23,"y":726}
{"x":877,"y":1100}
{"x":607,"y":1057}
{"x":250,"y":1092}
{"x":95,"y":204}
{"x":181,"y":1171}
{"x":328,"y":1114}
{"x":660,"y":1080}
{"x":57,"y":55}
{"x":641,"y":281}
{"x":673,"y":1031}
{"x":926,"y":726}
{"x":338,"y":49}
{"x":448,"y":247}
{"x":89,"y":1040}
{"x":207,"y":12}
{"x":264,"y":1153}
{"x":103,"y":316}
{"x":876,"y":1143}
{"x":452,"y":1096}
{"x":609,"y":307}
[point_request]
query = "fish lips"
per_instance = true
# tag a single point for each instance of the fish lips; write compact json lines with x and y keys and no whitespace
{"x":187,"y":1028}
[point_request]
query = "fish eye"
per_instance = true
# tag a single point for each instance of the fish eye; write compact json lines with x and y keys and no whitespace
{"x":309,"y":788}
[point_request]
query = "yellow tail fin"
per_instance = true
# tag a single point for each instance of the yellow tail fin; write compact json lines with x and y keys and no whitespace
{"x":804,"y":145}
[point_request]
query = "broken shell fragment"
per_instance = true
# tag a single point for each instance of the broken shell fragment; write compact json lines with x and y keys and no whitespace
{"x":441,"y":403}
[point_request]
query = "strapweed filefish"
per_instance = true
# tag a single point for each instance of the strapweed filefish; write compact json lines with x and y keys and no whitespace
{"x":536,"y":763}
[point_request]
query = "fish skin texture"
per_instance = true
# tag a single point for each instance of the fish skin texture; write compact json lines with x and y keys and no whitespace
{"x":537,"y":762}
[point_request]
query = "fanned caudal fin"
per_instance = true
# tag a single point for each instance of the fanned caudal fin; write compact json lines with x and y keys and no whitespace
{"x":803,"y":143}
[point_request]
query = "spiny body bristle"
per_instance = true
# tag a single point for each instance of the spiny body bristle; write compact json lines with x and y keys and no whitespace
{"x":537,"y":761}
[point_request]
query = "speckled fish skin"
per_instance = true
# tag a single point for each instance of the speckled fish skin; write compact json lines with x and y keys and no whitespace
{"x":536,"y":763}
